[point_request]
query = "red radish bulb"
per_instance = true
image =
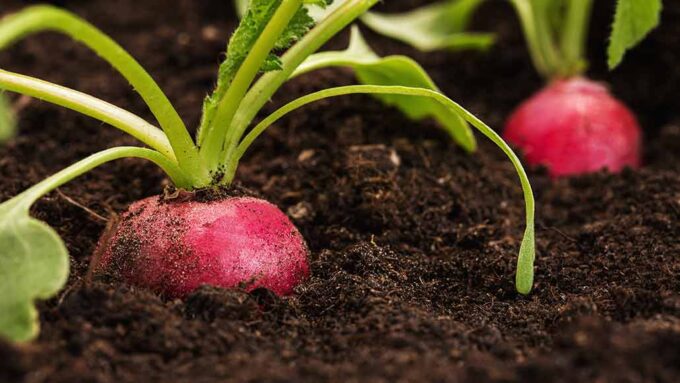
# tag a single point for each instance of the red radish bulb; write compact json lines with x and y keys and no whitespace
{"x":174,"y":247}
{"x":575,"y":126}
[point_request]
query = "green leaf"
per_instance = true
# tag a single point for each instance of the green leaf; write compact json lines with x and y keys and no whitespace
{"x":257,"y":15}
{"x":524,"y":276}
{"x":255,"y":19}
{"x":33,"y":265}
{"x":433,"y":27}
{"x":633,"y":20}
{"x":264,"y":88}
{"x":371,"y":69}
{"x":7,"y":121}
{"x":298,"y":27}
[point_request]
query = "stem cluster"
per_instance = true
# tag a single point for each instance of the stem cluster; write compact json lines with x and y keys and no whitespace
{"x":556,"y":33}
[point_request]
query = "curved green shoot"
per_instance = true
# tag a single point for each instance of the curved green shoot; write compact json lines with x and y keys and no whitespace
{"x":433,"y":27}
{"x":42,"y":18}
{"x":372,"y":69}
{"x":34,"y":263}
{"x":525,"y":262}
{"x":89,"y":106}
{"x":7,"y":120}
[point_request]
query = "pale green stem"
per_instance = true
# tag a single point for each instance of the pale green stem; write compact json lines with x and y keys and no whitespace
{"x":89,"y":106}
{"x":525,"y":262}
{"x":539,"y":37}
{"x":47,"y":18}
{"x":218,"y":131}
{"x":8,"y":124}
{"x":574,"y":34}
{"x":81,"y":167}
{"x":269,"y":83}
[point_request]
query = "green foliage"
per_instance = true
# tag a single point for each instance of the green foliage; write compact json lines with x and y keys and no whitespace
{"x":34,"y":261}
{"x":556,"y":34}
{"x":257,"y":15}
{"x":34,"y":265}
{"x":45,"y":18}
{"x":371,"y":69}
{"x":433,"y":27}
{"x":556,"y":31}
{"x":633,"y":20}
{"x":7,"y":121}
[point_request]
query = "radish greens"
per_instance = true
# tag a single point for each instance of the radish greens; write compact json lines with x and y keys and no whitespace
{"x":556,"y":31}
{"x":34,"y":261}
{"x":438,"y":26}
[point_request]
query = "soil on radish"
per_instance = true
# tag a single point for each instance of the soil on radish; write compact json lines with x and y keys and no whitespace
{"x":413,"y":242}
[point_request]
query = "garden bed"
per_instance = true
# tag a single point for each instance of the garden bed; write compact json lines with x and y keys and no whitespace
{"x":413,"y":242}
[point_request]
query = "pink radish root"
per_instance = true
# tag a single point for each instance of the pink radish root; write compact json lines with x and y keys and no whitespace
{"x":175,"y":247}
{"x":575,"y":126}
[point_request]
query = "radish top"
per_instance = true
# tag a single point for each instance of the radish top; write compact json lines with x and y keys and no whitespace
{"x":556,"y":32}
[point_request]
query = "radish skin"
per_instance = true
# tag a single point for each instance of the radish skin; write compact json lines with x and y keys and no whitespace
{"x":174,"y":247}
{"x":575,"y":126}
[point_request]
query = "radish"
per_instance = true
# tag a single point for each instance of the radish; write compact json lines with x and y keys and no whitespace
{"x":174,"y":245}
{"x":574,"y":125}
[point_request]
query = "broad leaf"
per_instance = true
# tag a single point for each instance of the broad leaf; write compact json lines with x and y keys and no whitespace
{"x":433,"y":27}
{"x":371,"y":69}
{"x":7,"y":122}
{"x":633,"y":20}
{"x":33,"y":265}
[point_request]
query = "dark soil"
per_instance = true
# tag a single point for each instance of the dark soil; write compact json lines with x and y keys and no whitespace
{"x":413,"y":242}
